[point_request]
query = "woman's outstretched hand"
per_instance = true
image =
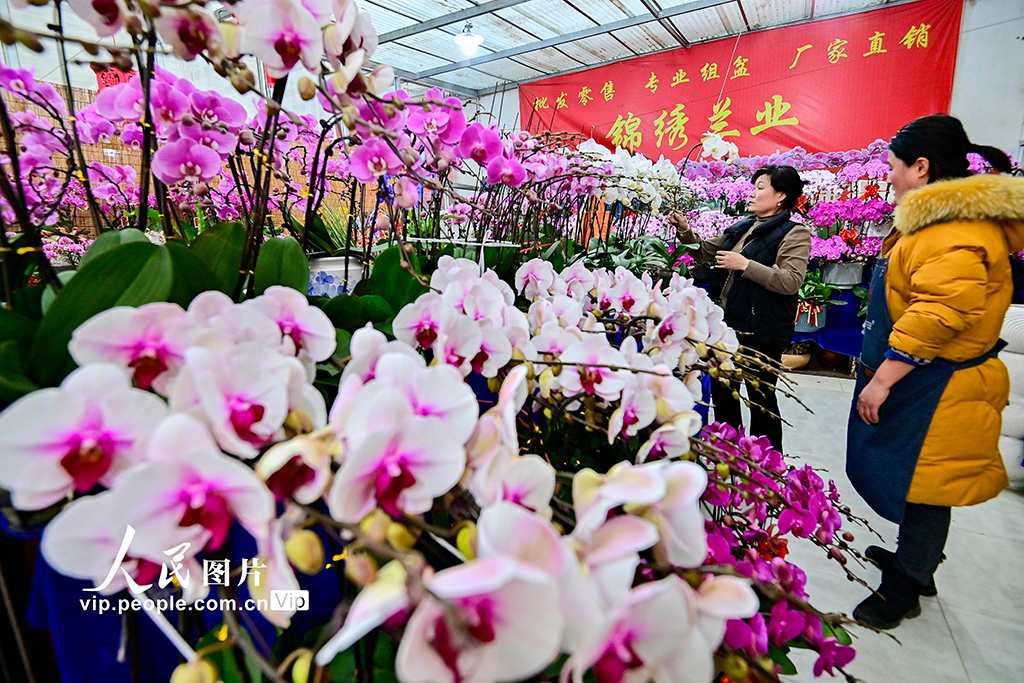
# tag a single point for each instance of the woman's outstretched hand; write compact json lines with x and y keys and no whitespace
{"x":731,"y":260}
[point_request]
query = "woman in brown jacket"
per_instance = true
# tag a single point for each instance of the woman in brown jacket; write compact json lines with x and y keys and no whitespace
{"x":761,"y":264}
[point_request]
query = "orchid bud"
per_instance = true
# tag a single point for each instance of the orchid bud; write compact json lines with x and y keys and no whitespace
{"x":199,"y":671}
{"x":307,"y":88}
{"x":375,"y":525}
{"x":90,"y":48}
{"x":383,"y":223}
{"x":736,"y":668}
{"x":39,"y":3}
{"x":400,"y":537}
{"x":494,"y":384}
{"x":702,"y":350}
{"x":305,"y":551}
{"x":302,"y":665}
{"x":409,"y":156}
{"x":837,"y":555}
{"x":29,"y":41}
{"x":465,"y":540}
{"x":848,"y":537}
{"x":247,"y":138}
{"x":150,"y":8}
{"x":298,"y":422}
{"x":200,"y":189}
{"x":242,"y":80}
{"x":360,"y":569}
{"x":545,"y":380}
{"x":133,"y":25}
{"x":723,"y":469}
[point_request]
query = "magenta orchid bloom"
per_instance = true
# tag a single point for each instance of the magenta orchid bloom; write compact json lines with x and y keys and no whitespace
{"x":832,"y":654}
{"x":283,"y":33}
{"x":211,"y":109}
{"x":86,"y":432}
{"x":508,"y":625}
{"x":186,"y":161}
{"x":505,"y":171}
{"x":480,"y":144}
{"x":149,"y":342}
{"x":189,"y":32}
{"x":373,"y":159}
{"x":220,"y":142}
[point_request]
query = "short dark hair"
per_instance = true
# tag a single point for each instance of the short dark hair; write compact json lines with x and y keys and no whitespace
{"x":942,"y":140}
{"x":783,"y":179}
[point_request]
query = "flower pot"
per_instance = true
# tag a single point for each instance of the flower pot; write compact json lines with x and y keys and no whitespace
{"x":327,"y":276}
{"x":804,"y":322}
{"x":842,"y":275}
{"x":795,"y":361}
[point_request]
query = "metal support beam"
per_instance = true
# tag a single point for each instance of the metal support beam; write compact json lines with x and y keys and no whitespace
{"x":410,"y":77}
{"x":452,"y":18}
{"x":695,"y":6}
{"x":654,"y":9}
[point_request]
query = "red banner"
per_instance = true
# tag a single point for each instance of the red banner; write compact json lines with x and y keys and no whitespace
{"x":111,"y":76}
{"x":830,"y":85}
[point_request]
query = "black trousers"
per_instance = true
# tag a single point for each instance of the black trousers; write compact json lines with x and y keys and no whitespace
{"x":922,"y":538}
{"x":727,"y":408}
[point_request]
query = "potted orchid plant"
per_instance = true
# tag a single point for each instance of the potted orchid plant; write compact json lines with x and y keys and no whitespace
{"x":813,"y":301}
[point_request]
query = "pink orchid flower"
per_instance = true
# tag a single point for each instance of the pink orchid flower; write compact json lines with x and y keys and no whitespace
{"x":507,"y":530}
{"x":637,"y":411}
{"x":508,"y":626}
{"x":299,"y":468}
{"x":85,"y":539}
{"x":306,"y":331}
{"x":88,"y":431}
{"x":189,"y":32}
{"x":407,"y":193}
{"x":194,"y":497}
{"x":149,"y":342}
{"x":527,"y":481}
{"x":587,"y":370}
{"x":211,"y":108}
{"x":276,"y":574}
{"x":459,"y":343}
{"x":420,"y":323}
{"x":367,"y":347}
{"x":677,"y":516}
{"x":221,"y":325}
{"x":535,"y":278}
{"x":374,"y":159}
{"x":186,"y":160}
{"x":243,"y":397}
{"x":595,"y":495}
{"x":105,"y":16}
{"x":663,"y":631}
{"x":401,"y":470}
{"x":386,"y":599}
{"x":220,"y":142}
{"x":832,"y":654}
{"x":670,"y":440}
{"x":282,"y":33}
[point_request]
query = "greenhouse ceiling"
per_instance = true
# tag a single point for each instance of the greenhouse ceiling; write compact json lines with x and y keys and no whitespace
{"x":527,"y":40}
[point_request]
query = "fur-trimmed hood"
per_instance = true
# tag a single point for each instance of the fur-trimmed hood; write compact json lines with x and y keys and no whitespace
{"x":975,"y":198}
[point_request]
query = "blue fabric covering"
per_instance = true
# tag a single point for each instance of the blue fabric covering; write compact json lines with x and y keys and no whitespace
{"x":86,"y":642}
{"x":842,"y":332}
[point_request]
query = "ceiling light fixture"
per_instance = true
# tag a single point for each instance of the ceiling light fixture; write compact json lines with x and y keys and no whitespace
{"x":468,"y":41}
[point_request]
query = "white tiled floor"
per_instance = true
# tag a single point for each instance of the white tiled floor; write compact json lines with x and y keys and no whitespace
{"x":973,"y":632}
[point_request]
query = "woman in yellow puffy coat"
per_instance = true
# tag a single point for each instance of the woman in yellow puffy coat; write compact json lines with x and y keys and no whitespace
{"x":924,"y":429}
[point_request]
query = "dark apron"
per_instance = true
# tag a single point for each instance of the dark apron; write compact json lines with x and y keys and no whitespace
{"x":881,"y":458}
